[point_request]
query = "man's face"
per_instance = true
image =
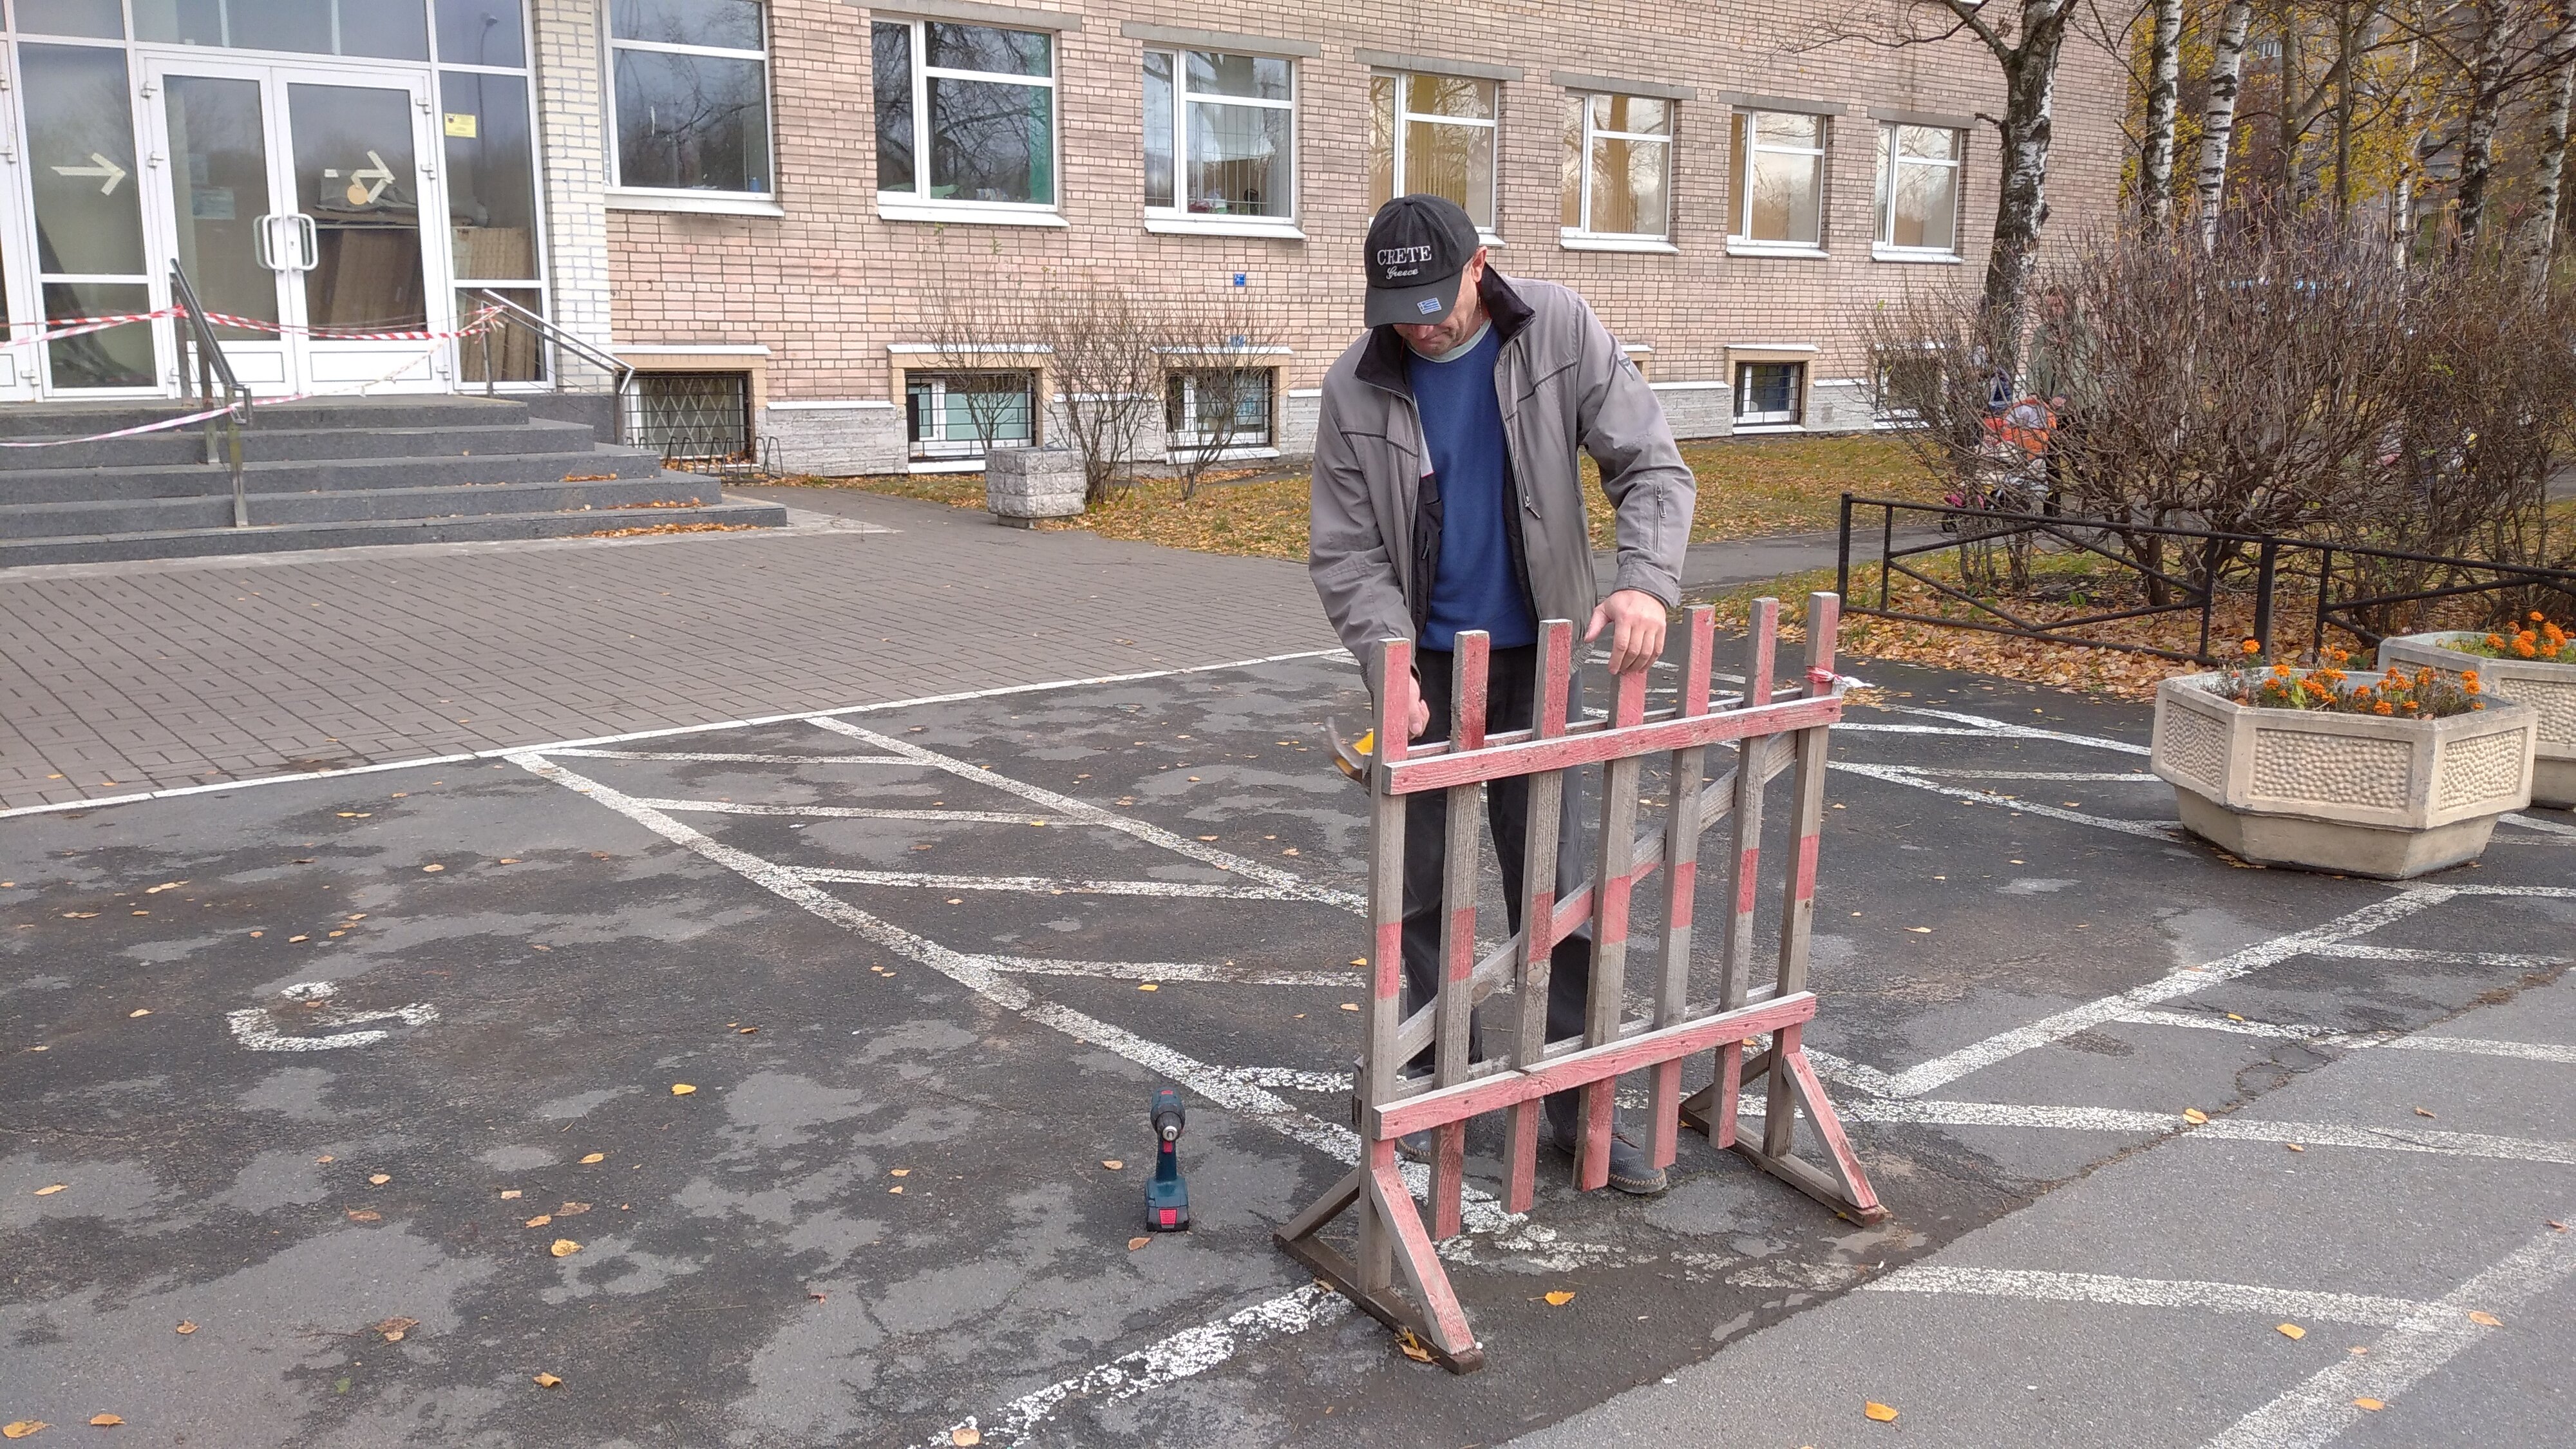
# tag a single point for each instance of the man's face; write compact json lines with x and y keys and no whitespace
{"x":1466,"y":314}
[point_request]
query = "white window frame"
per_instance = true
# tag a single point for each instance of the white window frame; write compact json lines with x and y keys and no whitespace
{"x":1494,"y":123}
{"x":916,"y":205}
{"x":1183,"y":442}
{"x":1792,"y":420}
{"x":1177,"y":217}
{"x":678,"y":198}
{"x":1739,"y":237}
{"x":1582,"y":237}
{"x":1891,"y":157}
{"x":944,"y":454}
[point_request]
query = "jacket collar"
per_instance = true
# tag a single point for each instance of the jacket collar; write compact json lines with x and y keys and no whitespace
{"x":1382,"y":364}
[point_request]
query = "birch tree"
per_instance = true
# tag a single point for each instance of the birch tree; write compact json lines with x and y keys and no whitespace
{"x":2164,"y":106}
{"x":2218,"y":121}
{"x":2539,"y":240}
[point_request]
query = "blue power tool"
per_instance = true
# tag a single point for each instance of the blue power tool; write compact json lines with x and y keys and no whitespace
{"x":1167,"y":1196}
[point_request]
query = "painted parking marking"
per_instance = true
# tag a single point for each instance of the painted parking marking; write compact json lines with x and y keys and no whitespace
{"x":1910,"y":775}
{"x":2317,"y":1411}
{"x":2224,"y":1129}
{"x":2551,"y":827}
{"x":1043,"y":885}
{"x":838,"y":812}
{"x":714,"y":757}
{"x":2362,"y":1310}
{"x":257,"y":1028}
{"x":1187,"y":971}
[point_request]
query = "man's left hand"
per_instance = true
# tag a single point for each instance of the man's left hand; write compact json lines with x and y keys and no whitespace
{"x":1635,"y":620}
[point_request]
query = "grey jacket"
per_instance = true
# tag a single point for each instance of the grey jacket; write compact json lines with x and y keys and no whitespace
{"x":1374,"y":538}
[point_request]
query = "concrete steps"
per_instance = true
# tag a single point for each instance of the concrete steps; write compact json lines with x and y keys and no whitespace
{"x":329,"y":474}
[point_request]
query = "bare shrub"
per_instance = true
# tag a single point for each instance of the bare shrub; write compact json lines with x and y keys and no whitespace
{"x":1219,"y":390}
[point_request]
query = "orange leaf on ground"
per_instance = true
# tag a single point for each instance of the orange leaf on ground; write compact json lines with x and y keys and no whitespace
{"x":2289,"y":1330}
{"x":1878,"y":1411}
{"x":1560,"y":1298}
{"x":2485,"y":1319}
{"x":21,"y":1428}
{"x":104,"y":1421}
{"x":547,"y":1381}
{"x":564,"y":1248}
{"x":2373,"y":1405}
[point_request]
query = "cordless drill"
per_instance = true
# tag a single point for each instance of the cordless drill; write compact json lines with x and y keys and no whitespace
{"x":1167,"y":1197}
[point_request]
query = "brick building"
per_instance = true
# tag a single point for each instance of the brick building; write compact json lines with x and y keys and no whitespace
{"x":777,"y":210}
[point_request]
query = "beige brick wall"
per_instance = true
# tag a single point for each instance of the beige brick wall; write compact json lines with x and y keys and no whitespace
{"x":829,"y":285}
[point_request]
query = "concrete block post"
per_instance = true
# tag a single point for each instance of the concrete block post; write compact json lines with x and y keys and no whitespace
{"x":1023,"y":485}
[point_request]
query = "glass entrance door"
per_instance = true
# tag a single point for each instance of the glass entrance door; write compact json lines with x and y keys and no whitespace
{"x":293,"y":196}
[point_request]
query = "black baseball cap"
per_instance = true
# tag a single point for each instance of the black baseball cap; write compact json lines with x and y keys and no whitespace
{"x":1417,"y":246}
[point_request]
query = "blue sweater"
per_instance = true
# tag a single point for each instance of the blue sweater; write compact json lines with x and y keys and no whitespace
{"x":1475,"y":585}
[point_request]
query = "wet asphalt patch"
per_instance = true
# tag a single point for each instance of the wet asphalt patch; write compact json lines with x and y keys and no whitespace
{"x":922,"y":974}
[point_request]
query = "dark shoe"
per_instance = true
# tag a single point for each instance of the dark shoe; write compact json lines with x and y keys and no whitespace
{"x":1631,"y":1170}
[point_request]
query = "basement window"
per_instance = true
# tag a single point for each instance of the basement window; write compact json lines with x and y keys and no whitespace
{"x":691,"y":415}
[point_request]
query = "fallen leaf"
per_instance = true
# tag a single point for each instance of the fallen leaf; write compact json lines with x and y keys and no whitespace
{"x":2485,"y":1319}
{"x":897,"y":1189}
{"x":138,"y":1011}
{"x":2420,"y":1112}
{"x":681,"y":1089}
{"x":508,"y":1193}
{"x":2294,"y":1147}
{"x":104,"y":1421}
{"x":326,"y":1157}
{"x":379,"y":1178}
{"x":394,"y":1328}
{"x":186,"y":1327}
{"x":596,"y":1157}
{"x":745,"y":1030}
{"x":898,"y":1172}
{"x":21,"y":1428}
{"x":964,"y":1436}
{"x":1920,"y":930}
{"x":539,"y":1221}
{"x":2290,"y":1331}
{"x":548,"y":1381}
{"x":1149,"y":986}
{"x":1350,"y":1006}
{"x":432,"y":869}
{"x":1113,"y":1164}
{"x":817,"y":1297}
{"x":2232,"y":1016}
{"x":1134,"y":1243}
{"x":291,"y":940}
{"x":1560,"y":1298}
{"x":2555,"y":1227}
{"x":564,"y":1248}
{"x":365,"y":1215}
{"x":509,"y":860}
{"x":1359,"y":960}
{"x":50,"y":1191}
{"x":2372,"y":1405}
{"x":1412,"y":1347}
{"x":572,"y":1210}
{"x":2194,"y":1116}
{"x":1878,"y":1411}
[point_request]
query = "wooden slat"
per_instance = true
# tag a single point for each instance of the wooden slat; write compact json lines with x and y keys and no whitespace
{"x":1633,"y":1051}
{"x":1681,"y":857}
{"x":1454,"y":1004}
{"x":1613,"y":873}
{"x":1500,"y":760}
{"x":1386,"y":920}
{"x":1798,"y":904}
{"x":1744,"y":863}
{"x":1532,"y":947}
{"x":1419,"y":1258}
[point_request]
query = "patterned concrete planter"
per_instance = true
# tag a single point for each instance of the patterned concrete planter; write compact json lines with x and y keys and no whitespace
{"x":2352,"y":793}
{"x":2550,"y":689}
{"x":1023,"y":485}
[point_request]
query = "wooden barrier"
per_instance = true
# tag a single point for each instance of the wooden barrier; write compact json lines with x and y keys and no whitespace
{"x":1767,"y":736}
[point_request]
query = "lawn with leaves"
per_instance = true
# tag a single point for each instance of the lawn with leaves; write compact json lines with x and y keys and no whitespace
{"x":1747,"y":489}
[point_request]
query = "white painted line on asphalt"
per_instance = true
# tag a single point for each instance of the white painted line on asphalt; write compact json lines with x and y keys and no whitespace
{"x":505,"y":752}
{"x":1987,"y":724}
{"x":2321,"y":1409}
{"x":2530,"y":1051}
{"x":2358,"y":951}
{"x":1907,"y":775}
{"x":1871,"y":727}
{"x":1293,"y":886}
{"x":2357,"y":1040}
{"x":1190,"y":1352}
{"x":2229,"y":1129}
{"x":2533,"y":822}
{"x":838,"y":812}
{"x":1042,"y":885}
{"x":256,"y":1027}
{"x":2082,"y":777}
{"x":2366,"y":1310}
{"x":1941,"y":1071}
{"x":2212,"y":1021}
{"x":1296,"y":1079}
{"x":1189,"y":971}
{"x":725,"y":758}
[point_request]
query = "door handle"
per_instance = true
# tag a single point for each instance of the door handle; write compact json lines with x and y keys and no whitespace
{"x":311,"y":238}
{"x":262,"y":240}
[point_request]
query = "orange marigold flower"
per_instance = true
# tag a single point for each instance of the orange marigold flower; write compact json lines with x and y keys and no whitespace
{"x":2383,"y":707}
{"x":2280,"y":671}
{"x":2536,"y":616}
{"x":2523,"y":647}
{"x":2495,"y":641}
{"x":2253,"y":647}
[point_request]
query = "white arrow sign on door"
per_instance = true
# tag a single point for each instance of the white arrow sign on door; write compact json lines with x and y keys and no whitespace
{"x":104,"y":168}
{"x":369,"y":182}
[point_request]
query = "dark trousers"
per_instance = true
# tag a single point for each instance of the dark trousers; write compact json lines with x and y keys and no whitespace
{"x":1511,"y":701}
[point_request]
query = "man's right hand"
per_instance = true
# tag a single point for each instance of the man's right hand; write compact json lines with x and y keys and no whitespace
{"x":1417,"y":714}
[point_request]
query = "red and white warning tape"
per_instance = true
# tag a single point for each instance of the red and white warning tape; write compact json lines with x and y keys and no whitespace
{"x":59,"y":329}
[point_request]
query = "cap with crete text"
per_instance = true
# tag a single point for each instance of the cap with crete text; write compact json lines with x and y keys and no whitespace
{"x":1417,"y":246}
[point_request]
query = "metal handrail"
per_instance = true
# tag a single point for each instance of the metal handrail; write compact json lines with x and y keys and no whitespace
{"x":223,"y":433}
{"x":622,"y":374}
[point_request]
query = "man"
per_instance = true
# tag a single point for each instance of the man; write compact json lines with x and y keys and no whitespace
{"x":1447,"y":498}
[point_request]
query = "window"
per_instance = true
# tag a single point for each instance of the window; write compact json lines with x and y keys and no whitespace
{"x":1903,"y":381}
{"x":1618,"y":156}
{"x":1436,"y":132}
{"x":691,"y":85}
{"x":1218,"y":135}
{"x":1770,"y":393}
{"x":315,"y":27}
{"x":965,"y":116}
{"x":1217,"y":408}
{"x":1918,"y":189}
{"x":490,"y":147}
{"x":1779,"y":180}
{"x":957,"y":416}
{"x":691,"y":415}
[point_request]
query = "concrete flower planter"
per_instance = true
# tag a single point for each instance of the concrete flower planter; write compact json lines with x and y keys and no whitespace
{"x":1023,"y":485}
{"x":2550,"y":689}
{"x":2352,"y":793}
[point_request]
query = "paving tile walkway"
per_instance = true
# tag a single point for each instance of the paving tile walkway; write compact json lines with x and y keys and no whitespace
{"x":127,"y":677}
